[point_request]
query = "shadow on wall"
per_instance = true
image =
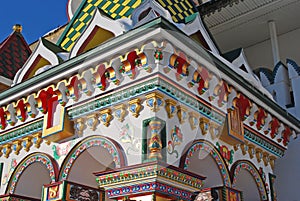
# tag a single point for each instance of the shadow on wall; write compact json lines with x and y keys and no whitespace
{"x":287,"y":173}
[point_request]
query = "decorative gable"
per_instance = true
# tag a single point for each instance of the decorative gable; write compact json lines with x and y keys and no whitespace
{"x":44,"y":57}
{"x":99,"y":30}
{"x":179,"y":11}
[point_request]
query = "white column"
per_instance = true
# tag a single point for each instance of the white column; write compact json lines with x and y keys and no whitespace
{"x":274,"y":42}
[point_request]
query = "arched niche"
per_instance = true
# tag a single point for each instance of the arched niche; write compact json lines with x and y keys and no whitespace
{"x":204,"y":159}
{"x":31,"y":174}
{"x":93,"y":154}
{"x":246,"y":178}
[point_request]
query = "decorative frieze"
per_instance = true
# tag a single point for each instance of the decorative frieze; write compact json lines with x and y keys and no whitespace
{"x":148,"y":178}
{"x":271,"y":147}
{"x":102,"y":74}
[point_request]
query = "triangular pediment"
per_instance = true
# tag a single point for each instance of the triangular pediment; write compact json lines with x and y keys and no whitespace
{"x":45,"y":56}
{"x":99,"y":30}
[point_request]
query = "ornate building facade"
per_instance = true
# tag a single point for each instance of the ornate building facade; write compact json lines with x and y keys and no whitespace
{"x":135,"y":102}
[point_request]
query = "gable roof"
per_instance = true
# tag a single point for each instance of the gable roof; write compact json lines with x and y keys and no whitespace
{"x":45,"y":55}
{"x":179,"y":10}
{"x":14,"y":51}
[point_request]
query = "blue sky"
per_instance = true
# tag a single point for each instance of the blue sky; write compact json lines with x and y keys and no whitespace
{"x":36,"y":16}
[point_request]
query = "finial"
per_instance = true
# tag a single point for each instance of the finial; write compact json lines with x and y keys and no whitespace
{"x":17,"y":28}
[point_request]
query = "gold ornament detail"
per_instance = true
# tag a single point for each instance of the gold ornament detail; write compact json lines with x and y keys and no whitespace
{"x":154,"y":101}
{"x":193,"y":119}
{"x":272,"y":161}
{"x":135,"y":107}
{"x":266,"y":158}
{"x":92,"y":121}
{"x":79,"y":125}
{"x":17,"y":146}
{"x":27,"y":143}
{"x":37,"y":140}
{"x":106,"y":117}
{"x":120,"y":112}
{"x":6,"y":150}
{"x":171,"y":108}
{"x":251,"y":150}
{"x":204,"y":125}
{"x":214,"y":130}
{"x":181,"y":114}
{"x":244,"y":148}
{"x":259,"y":155}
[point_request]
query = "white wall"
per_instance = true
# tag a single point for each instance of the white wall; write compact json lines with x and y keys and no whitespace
{"x":287,"y":173}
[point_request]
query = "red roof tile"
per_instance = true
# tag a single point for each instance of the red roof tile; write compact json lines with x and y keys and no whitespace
{"x":14,"y":51}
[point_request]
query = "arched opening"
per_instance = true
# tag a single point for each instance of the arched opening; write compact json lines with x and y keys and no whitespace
{"x":246,"y":178}
{"x":93,"y":154}
{"x":246,"y":183}
{"x":203,"y":163}
{"x":93,"y":159}
{"x":31,"y":174}
{"x":32,"y":180}
{"x":203,"y":158}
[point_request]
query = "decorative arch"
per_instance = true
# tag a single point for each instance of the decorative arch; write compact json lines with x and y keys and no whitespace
{"x":110,"y":145}
{"x":212,"y":150}
{"x":43,"y":158}
{"x":247,"y":165}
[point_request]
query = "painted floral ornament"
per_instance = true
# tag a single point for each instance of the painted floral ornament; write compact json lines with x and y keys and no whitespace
{"x":225,"y":152}
{"x":176,"y":140}
{"x":158,"y":55}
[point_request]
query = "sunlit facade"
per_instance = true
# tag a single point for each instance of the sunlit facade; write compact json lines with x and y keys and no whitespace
{"x":135,"y":102}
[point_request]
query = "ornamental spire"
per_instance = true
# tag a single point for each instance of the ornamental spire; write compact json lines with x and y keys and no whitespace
{"x":17,"y":28}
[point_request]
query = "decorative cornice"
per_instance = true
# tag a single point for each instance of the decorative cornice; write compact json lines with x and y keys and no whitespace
{"x":147,"y":177}
{"x":271,"y":147}
{"x":143,"y":88}
{"x":28,"y":129}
